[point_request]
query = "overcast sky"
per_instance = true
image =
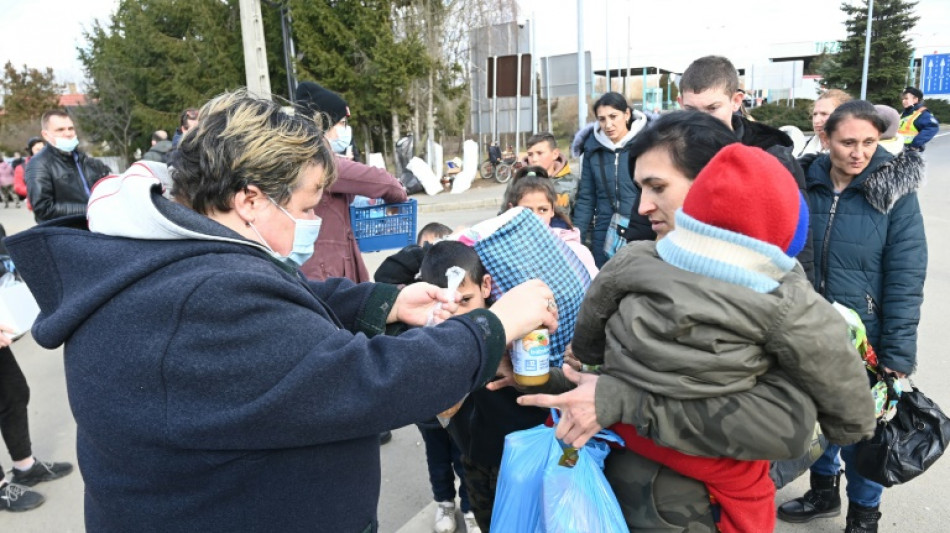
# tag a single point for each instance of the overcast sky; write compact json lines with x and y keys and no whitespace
{"x":41,"y":33}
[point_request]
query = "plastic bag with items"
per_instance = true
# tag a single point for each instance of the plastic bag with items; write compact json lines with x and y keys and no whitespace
{"x":546,"y":486}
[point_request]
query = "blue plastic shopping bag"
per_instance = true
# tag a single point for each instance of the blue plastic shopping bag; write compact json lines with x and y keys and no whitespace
{"x":537,"y":494}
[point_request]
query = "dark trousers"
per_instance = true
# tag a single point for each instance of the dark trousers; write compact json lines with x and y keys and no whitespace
{"x":481,"y":482}
{"x":445,"y":462}
{"x":14,"y":396}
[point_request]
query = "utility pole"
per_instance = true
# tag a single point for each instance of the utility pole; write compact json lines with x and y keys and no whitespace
{"x":867,"y":52}
{"x":255,"y":54}
{"x":581,"y":76}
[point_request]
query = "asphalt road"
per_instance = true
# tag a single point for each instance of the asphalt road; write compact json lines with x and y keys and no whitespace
{"x":405,"y":502}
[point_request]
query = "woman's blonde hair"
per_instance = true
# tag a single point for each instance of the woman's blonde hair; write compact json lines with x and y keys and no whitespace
{"x":242,"y":140}
{"x":837,"y":95}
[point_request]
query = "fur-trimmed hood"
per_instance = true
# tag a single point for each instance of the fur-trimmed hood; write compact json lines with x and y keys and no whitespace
{"x":886,"y":180}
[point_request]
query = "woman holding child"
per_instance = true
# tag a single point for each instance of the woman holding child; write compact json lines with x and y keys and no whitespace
{"x":731,"y":359}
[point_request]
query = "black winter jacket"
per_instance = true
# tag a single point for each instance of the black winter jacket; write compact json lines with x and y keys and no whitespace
{"x":53,"y":183}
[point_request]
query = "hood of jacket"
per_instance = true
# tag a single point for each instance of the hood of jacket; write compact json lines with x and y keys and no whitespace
{"x":562,"y":166}
{"x":73,"y":266}
{"x":886,"y":179}
{"x":759,"y":135}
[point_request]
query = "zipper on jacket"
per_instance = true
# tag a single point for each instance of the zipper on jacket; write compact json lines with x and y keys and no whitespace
{"x":825,"y":245}
{"x":617,"y":179}
{"x":870,"y":304}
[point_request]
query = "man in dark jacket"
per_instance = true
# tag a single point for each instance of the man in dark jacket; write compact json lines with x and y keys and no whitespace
{"x":59,"y":178}
{"x":711,"y":84}
{"x":917,"y":125}
{"x":160,"y":149}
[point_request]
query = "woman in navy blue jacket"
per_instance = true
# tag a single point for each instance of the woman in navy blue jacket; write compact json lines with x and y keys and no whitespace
{"x":606,"y":185}
{"x":870,"y":256}
{"x":214,"y":387}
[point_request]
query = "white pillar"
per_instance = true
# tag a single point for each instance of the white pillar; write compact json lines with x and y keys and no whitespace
{"x":255,"y":53}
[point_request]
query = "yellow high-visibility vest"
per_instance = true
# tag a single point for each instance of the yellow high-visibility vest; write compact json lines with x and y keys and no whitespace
{"x":907,"y":128}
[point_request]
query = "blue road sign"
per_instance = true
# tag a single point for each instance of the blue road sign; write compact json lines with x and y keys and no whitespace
{"x":935,"y":78}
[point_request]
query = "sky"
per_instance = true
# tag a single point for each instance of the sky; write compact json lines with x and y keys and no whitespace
{"x":41,"y":33}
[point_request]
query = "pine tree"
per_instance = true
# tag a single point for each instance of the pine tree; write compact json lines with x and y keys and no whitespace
{"x":153,"y":58}
{"x":890,"y":50}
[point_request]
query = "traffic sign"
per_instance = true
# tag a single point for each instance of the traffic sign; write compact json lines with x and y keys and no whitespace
{"x":935,"y":78}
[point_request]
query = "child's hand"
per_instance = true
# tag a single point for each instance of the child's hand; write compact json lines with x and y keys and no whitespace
{"x":570,"y":360}
{"x":505,"y":374}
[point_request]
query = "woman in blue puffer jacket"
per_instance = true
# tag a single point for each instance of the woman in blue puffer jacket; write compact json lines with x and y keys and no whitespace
{"x":606,"y":185}
{"x":870,"y":256}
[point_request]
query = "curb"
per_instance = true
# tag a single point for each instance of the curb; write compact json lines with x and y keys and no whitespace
{"x":459,"y":206}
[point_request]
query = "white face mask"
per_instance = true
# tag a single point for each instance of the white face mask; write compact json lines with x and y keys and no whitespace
{"x":343,"y":140}
{"x":67,"y":145}
{"x":305,"y":235}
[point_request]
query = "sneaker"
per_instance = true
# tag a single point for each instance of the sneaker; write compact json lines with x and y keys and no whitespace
{"x":16,"y":498}
{"x":471,"y":526}
{"x":41,"y":471}
{"x":445,"y":518}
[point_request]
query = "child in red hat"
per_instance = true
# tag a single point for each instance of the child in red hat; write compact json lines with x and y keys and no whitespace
{"x":715,"y":306}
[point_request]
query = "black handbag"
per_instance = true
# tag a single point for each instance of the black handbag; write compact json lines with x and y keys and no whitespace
{"x":905,"y":446}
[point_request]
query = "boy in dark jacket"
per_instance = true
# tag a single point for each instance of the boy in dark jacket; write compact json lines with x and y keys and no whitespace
{"x":485,"y":417}
{"x":711,"y":84}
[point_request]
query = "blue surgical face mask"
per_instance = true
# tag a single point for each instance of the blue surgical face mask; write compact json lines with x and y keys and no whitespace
{"x":305,"y":234}
{"x":343,"y":140}
{"x":67,"y":145}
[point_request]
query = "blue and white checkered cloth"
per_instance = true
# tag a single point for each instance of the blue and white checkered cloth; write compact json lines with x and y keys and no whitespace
{"x":523,"y":249}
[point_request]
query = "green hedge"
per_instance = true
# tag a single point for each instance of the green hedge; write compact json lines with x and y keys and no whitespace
{"x":778,"y":114}
{"x":939,"y":108}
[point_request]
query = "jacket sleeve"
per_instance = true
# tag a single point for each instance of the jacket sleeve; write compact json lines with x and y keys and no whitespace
{"x":773,"y":420}
{"x":927,"y":126}
{"x":904,"y":271}
{"x":811,"y":344}
{"x":601,"y":301}
{"x":289,"y":377}
{"x":99,"y":169}
{"x":372,"y":182}
{"x":39,"y":184}
{"x":586,"y":197}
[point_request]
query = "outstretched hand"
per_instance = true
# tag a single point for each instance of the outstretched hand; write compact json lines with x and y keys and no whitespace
{"x":578,"y":412}
{"x":419,"y":302}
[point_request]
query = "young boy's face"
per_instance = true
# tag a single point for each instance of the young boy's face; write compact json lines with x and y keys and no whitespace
{"x":713,"y":101}
{"x":542,"y":155}
{"x":474,"y":295}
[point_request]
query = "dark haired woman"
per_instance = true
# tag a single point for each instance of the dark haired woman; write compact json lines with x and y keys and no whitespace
{"x":606,"y":187}
{"x":871,"y":256}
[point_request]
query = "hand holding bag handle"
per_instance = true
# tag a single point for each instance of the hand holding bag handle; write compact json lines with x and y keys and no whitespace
{"x":905,"y":446}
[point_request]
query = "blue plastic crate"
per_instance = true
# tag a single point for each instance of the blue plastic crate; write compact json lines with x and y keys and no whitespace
{"x":384,"y":226}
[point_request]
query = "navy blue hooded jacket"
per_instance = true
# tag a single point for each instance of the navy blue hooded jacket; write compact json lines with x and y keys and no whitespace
{"x":604,"y":165}
{"x":215,"y":389}
{"x":871,"y":251}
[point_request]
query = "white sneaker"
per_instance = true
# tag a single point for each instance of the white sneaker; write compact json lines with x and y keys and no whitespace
{"x":445,"y":518}
{"x":471,"y":526}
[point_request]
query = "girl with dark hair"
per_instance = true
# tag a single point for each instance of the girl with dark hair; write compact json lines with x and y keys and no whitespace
{"x":871,"y":256}
{"x":533,"y":189}
{"x":606,"y":190}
